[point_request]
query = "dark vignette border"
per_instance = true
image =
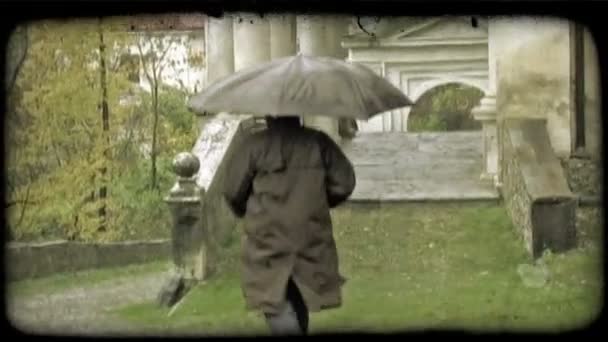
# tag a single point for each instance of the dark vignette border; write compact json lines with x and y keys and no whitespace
{"x":591,"y":14}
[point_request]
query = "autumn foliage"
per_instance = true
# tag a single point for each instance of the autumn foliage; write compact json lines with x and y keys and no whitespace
{"x":74,"y":169}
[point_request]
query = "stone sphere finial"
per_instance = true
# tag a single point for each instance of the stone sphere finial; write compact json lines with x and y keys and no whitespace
{"x":186,"y":164}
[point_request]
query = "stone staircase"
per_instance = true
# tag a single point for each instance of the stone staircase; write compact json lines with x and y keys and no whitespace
{"x":394,"y":166}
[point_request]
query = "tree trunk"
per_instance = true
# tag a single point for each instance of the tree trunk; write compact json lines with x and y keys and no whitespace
{"x":105,"y":118}
{"x":154,"y":133}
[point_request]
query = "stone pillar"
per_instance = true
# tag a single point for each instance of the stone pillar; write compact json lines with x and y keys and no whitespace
{"x":282,"y":35}
{"x":190,"y":243}
{"x":493,"y":53}
{"x":336,"y":27}
{"x":405,"y":114}
{"x":251,"y":40}
{"x":486,"y":112}
{"x":219,"y":48}
{"x":219,"y":52}
{"x":312,"y":31}
{"x":311,"y":35}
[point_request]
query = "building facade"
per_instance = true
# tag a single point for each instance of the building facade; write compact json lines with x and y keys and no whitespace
{"x":534,"y":67}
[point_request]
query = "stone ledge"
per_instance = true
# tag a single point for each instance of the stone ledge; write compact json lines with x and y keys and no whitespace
{"x":425,"y":198}
{"x":34,"y":260}
{"x":589,"y":201}
{"x":372,"y":201}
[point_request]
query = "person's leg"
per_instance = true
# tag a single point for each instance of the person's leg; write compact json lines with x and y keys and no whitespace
{"x":295,"y":297}
{"x":285,"y":322}
{"x":293,"y":319}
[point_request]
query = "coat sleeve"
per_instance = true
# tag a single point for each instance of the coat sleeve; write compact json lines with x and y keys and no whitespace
{"x":240,"y":172}
{"x":340,"y":179}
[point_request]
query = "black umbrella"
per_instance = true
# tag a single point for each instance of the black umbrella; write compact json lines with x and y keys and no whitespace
{"x":302,"y":85}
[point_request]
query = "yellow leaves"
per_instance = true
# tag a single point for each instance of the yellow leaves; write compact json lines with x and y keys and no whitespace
{"x":59,"y":147}
{"x":196,"y":59}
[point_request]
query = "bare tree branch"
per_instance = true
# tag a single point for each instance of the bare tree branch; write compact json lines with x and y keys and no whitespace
{"x":143,"y":61}
{"x":162,"y":56}
{"x":165,"y":51}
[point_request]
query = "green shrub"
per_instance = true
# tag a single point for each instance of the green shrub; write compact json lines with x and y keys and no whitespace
{"x":445,"y":108}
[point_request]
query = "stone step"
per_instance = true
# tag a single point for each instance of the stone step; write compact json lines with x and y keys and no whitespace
{"x":406,"y":167}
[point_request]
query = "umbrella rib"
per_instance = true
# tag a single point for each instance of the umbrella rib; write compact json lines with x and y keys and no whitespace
{"x":359,"y":93}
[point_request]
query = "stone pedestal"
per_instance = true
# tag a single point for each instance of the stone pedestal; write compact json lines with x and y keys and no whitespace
{"x":486,"y":113}
{"x":190,"y":247}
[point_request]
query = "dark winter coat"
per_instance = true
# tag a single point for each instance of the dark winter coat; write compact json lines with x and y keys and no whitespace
{"x":283,"y":182}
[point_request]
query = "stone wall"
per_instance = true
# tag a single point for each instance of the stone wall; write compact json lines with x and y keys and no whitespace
{"x":585,"y":181}
{"x":533,"y":74}
{"x":584,"y":177}
{"x":534,"y":188}
{"x":33,"y":260}
{"x":589,"y":224}
{"x":534,"y":69}
{"x":513,"y":189}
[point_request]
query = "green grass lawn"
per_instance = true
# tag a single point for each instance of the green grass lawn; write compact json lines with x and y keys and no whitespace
{"x":417,"y":266}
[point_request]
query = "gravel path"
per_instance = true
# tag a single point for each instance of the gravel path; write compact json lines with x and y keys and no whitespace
{"x":84,"y":310}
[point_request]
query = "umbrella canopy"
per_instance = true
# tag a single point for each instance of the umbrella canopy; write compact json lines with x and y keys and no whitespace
{"x":302,"y":85}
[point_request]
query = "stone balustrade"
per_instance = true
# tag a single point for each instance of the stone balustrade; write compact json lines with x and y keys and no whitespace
{"x":535,"y":190}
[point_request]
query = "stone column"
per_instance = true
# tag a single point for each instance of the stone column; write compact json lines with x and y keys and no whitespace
{"x":251,"y":43}
{"x":405,"y":114}
{"x":312,"y":31}
{"x":493,"y":41}
{"x":251,"y":40}
{"x":282,"y":35}
{"x":486,"y":111}
{"x":311,"y":35}
{"x":219,"y":52}
{"x":336,"y":27}
{"x":219,"y":48}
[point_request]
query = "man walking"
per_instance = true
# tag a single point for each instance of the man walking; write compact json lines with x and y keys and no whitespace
{"x":283,"y":181}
